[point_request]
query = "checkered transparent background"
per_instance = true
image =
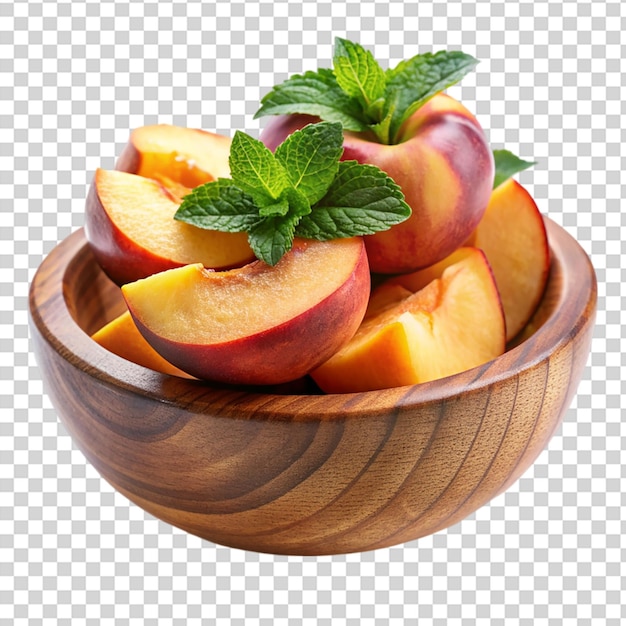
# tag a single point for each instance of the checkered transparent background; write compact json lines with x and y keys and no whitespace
{"x":75,"y":78}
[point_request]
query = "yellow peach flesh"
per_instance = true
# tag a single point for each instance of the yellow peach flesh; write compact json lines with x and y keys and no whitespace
{"x":513,"y":236}
{"x":122,"y":337}
{"x":144,"y":210}
{"x":186,"y":155}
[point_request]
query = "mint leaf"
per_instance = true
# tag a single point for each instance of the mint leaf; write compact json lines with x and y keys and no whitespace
{"x":359,"y":75}
{"x":311,"y":156}
{"x":299,"y":204}
{"x":255,"y":171}
{"x":361,"y":201}
{"x":218,"y":205}
{"x":507,"y":165}
{"x":415,"y":81}
{"x":382,"y":129}
{"x":314,"y":93}
{"x":280,"y":207}
{"x":271,"y":238}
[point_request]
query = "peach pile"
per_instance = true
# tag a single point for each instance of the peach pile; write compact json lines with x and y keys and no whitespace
{"x":370,"y":239}
{"x":200,"y":305}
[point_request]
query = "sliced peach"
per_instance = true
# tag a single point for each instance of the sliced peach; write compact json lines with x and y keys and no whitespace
{"x":385,"y":295}
{"x":453,"y":324}
{"x":121,"y":337}
{"x":256,"y":325}
{"x":175,"y":155}
{"x":513,"y":235}
{"x":399,"y":287}
{"x":417,"y":280}
{"x":129,"y":222}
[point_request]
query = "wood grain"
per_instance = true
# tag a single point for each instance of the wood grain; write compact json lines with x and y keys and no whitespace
{"x":308,"y":474}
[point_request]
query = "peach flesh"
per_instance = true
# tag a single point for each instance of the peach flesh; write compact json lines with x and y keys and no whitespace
{"x":131,"y":227}
{"x":187,"y":156}
{"x":513,"y":235}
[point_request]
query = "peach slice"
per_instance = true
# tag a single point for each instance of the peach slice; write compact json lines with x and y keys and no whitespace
{"x":175,"y":155}
{"x":513,"y":235}
{"x":121,"y":337}
{"x":385,"y":295}
{"x":453,"y":324}
{"x":256,"y":325}
{"x":420,"y":278}
{"x":129,"y":222}
{"x":399,"y":287}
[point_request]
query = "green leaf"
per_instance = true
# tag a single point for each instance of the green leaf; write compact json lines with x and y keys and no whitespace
{"x":376,"y":109}
{"x":271,"y":238}
{"x":218,"y":205}
{"x":314,"y":93}
{"x":358,"y":74}
{"x":381,"y":130}
{"x":299,"y":204}
{"x":361,"y":201}
{"x":311,"y":156}
{"x":255,"y":170}
{"x":280,"y":207}
{"x":507,"y":165}
{"x":415,"y":81}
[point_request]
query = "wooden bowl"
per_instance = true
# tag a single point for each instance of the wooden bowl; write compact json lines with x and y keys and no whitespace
{"x":307,"y":474}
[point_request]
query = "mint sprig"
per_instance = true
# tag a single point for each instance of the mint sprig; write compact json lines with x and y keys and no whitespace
{"x":506,"y":165}
{"x":300,"y":190}
{"x":361,"y":95}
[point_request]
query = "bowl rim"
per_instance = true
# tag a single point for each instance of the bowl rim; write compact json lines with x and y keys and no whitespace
{"x":574,"y":308}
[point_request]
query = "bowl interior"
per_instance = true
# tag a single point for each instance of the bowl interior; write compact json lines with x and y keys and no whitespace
{"x":92,"y":299}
